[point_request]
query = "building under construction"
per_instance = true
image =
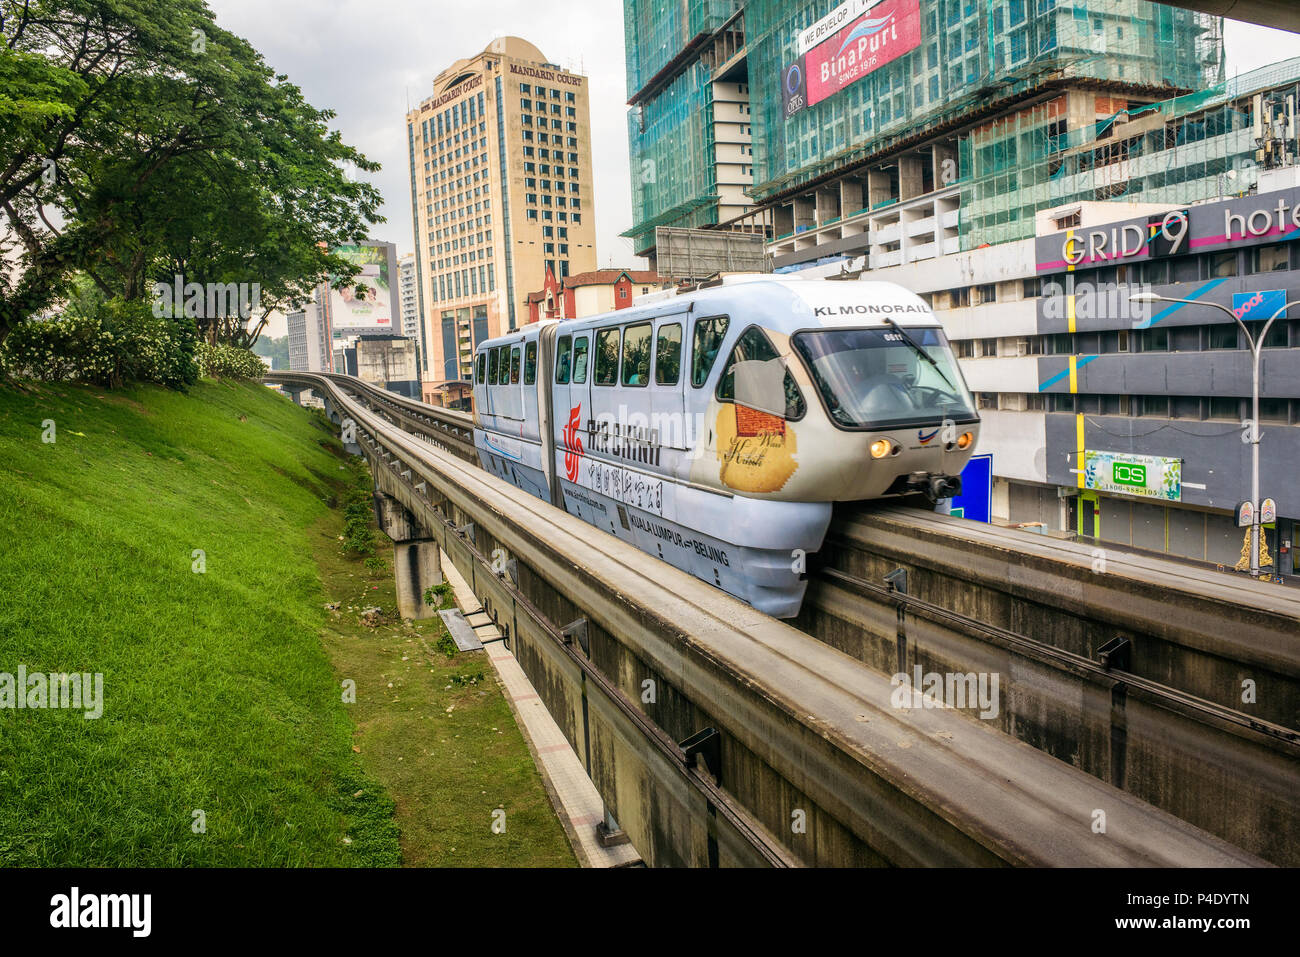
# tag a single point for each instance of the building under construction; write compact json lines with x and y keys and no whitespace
{"x":904,"y":129}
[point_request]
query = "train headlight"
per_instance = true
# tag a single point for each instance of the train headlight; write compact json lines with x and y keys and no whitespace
{"x":965,"y":440}
{"x":880,"y":448}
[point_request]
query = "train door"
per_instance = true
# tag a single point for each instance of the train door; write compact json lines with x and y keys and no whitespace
{"x":667,"y":389}
{"x":512,"y":406}
{"x":570,"y":398}
{"x":528,"y":389}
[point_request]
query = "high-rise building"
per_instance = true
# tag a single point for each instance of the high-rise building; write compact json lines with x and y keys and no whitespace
{"x":408,"y":282}
{"x":879,"y":126}
{"x":309,"y":346}
{"x":689,"y":125}
{"x":501,"y":189}
{"x":1123,"y":423}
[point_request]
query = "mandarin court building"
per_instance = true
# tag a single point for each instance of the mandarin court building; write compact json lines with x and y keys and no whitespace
{"x":501,"y":191}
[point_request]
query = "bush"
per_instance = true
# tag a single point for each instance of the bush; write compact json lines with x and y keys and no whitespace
{"x":103,"y":342}
{"x":228,"y":362}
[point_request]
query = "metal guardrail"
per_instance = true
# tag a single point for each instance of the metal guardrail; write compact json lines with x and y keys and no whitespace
{"x":800,"y":728}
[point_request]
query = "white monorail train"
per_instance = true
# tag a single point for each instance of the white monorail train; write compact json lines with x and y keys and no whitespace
{"x":715,"y":428}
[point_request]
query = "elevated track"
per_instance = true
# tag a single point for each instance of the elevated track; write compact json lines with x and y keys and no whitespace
{"x":721,"y":736}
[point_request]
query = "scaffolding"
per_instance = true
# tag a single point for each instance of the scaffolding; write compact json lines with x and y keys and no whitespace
{"x":670,"y":124}
{"x":972,"y":53}
{"x":1182,"y":150}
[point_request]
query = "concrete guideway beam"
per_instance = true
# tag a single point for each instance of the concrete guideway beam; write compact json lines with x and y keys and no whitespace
{"x":805,"y":730}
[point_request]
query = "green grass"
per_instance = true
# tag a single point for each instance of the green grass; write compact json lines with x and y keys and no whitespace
{"x":437,"y":732}
{"x":219,"y":692}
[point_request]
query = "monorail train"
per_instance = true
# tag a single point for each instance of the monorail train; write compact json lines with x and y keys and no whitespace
{"x":716,"y":428}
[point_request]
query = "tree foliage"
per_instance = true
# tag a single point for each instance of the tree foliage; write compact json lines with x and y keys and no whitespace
{"x":139,"y":141}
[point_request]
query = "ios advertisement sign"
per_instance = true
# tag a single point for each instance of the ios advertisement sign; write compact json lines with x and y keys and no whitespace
{"x":873,"y":34}
{"x":1147,"y":476}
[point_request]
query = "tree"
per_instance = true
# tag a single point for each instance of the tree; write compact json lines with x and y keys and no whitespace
{"x":139,"y":141}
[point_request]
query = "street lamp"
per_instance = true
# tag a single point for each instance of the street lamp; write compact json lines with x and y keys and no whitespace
{"x":1256,"y":347}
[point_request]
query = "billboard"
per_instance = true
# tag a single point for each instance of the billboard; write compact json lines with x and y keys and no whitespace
{"x":1147,"y":476}
{"x":1264,"y":304}
{"x":700,"y":253}
{"x":866,"y":35}
{"x":371,"y":302}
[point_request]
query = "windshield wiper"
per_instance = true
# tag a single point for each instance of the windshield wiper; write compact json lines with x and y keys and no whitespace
{"x":920,"y":351}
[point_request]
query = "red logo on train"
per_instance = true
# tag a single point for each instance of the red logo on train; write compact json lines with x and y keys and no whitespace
{"x":572,"y":443}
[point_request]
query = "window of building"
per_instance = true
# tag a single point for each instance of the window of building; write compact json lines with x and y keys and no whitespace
{"x":1269,"y":258}
{"x":1277,"y":335}
{"x":988,"y":292}
{"x":1225,"y":407}
{"x":1155,"y":405}
{"x":1223,"y":265}
{"x":1223,"y":336}
{"x":1274,"y":410}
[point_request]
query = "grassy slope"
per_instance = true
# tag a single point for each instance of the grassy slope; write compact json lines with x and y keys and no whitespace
{"x":217,"y":695}
{"x":222,"y":689}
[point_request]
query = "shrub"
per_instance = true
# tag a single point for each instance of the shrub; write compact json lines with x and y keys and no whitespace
{"x":103,"y":342}
{"x":228,"y":362}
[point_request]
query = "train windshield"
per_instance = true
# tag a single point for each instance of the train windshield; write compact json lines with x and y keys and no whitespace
{"x":871,"y":378}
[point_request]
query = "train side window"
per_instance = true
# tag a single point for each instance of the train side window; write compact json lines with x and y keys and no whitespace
{"x":481,"y":365}
{"x":668,"y":355}
{"x":607,"y":357}
{"x":514,"y":366}
{"x":562,"y":359}
{"x":709,"y":334}
{"x":636,"y":354}
{"x":754,"y":346}
{"x":503,"y":370}
{"x":580,"y":360}
{"x":530,"y":363}
{"x":493,"y":358}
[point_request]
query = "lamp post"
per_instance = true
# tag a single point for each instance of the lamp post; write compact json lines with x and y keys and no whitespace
{"x":1256,"y":347}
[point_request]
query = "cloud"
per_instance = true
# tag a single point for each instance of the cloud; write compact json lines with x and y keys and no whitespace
{"x":367,"y":60}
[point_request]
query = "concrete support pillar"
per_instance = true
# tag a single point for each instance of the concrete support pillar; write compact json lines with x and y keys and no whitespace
{"x":418,"y":567}
{"x":417,"y":564}
{"x":910,"y":177}
{"x":880,"y":188}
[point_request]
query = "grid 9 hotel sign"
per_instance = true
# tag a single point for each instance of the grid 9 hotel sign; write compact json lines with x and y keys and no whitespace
{"x":851,"y":41}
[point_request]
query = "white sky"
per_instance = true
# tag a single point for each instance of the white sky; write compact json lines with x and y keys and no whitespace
{"x":367,"y":59}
